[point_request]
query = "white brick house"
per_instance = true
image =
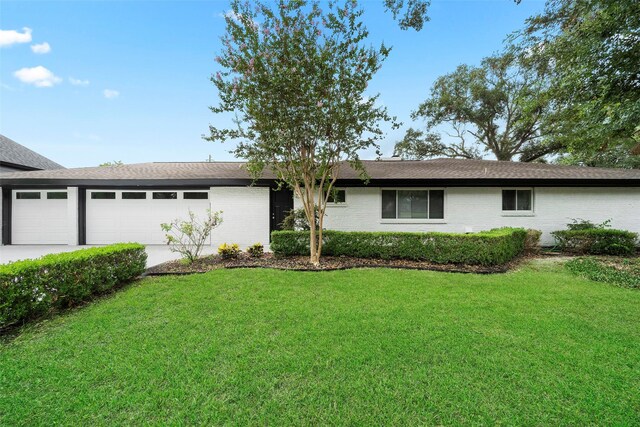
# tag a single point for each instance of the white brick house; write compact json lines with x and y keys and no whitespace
{"x":127,"y":203}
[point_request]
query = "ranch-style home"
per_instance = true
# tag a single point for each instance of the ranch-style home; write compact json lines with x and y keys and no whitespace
{"x":101,"y":205}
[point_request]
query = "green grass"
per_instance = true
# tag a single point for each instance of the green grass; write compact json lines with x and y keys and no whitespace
{"x":537,"y":347}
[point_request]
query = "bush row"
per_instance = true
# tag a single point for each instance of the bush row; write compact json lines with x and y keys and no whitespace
{"x":596,"y":241}
{"x":485,"y":248}
{"x":31,"y":288}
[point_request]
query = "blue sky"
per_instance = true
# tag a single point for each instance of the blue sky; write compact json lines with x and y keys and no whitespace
{"x":140,"y":70}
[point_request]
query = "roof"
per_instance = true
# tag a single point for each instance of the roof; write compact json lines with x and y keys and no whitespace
{"x":18,"y":155}
{"x":452,"y":171}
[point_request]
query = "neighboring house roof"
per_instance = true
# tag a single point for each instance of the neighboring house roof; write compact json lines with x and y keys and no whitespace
{"x":406,"y":172}
{"x":20,"y":157}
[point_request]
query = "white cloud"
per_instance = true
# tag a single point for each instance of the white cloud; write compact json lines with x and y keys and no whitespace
{"x":41,"y":48}
{"x":37,"y":76}
{"x":78,"y":82}
{"x":110,"y":93}
{"x":9,"y":37}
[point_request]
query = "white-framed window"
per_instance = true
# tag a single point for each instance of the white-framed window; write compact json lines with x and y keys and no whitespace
{"x":56,"y":195}
{"x":517,"y":200}
{"x":134,"y":195}
{"x":413,"y":204}
{"x":338,"y":196}
{"x":165,"y":195}
{"x":103,"y":195}
{"x":27,"y":195}
{"x":195,"y":195}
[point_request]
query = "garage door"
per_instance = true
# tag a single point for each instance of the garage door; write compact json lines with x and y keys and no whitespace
{"x":39,"y":217}
{"x":135,"y":216}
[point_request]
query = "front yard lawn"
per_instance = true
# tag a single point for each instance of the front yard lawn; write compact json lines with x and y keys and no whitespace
{"x":535,"y":346}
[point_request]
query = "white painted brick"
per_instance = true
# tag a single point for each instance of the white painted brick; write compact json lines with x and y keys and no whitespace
{"x":480,"y":208}
{"x":245,"y":217}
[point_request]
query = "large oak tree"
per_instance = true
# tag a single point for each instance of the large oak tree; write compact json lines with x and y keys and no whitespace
{"x":494,"y":108}
{"x":590,"y":49}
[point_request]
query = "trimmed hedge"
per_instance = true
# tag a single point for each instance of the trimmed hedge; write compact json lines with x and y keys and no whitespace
{"x":31,"y":288}
{"x":596,"y":241}
{"x":491,"y":247}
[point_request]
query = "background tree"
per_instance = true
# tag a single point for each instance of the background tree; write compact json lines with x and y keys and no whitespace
{"x":413,"y":13}
{"x":494,"y":108}
{"x":295,"y":77}
{"x":112,"y":163}
{"x":591,"y":51}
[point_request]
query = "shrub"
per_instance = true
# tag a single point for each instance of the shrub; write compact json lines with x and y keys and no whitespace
{"x":256,"y":250}
{"x":31,"y":288}
{"x":596,"y":241}
{"x":621,"y":272}
{"x":532,"y":241}
{"x":296,"y":219}
{"x":188,"y":237}
{"x":486,"y":248}
{"x":585,"y":224}
{"x":227,"y":251}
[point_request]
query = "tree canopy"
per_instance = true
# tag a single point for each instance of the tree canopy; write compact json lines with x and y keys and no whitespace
{"x":494,"y":108}
{"x":295,"y":75}
{"x":591,"y":51}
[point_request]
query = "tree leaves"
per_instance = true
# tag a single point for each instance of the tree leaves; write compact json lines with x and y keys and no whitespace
{"x":413,"y":16}
{"x":494,"y":108}
{"x":591,"y":51}
{"x":295,"y":76}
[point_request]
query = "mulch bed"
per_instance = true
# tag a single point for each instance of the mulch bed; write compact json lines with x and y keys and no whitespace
{"x":327,"y":263}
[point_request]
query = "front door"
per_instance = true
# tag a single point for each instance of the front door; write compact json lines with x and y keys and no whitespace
{"x":281,"y":203}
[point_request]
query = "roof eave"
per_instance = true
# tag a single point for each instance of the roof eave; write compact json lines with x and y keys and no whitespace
{"x":353,"y":182}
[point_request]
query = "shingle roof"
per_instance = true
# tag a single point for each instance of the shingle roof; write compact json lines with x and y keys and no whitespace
{"x":14,"y":153}
{"x":437,"y":169}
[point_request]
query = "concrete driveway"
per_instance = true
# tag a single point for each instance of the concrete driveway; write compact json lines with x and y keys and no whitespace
{"x":157,"y":254}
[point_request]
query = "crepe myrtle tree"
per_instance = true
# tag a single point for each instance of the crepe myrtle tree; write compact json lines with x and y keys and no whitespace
{"x":295,"y":76}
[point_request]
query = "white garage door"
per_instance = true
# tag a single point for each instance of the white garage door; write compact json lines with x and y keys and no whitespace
{"x":39,"y":217}
{"x":135,"y":216}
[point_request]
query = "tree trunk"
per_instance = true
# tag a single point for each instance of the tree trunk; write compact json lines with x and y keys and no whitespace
{"x":505,"y":157}
{"x":314,"y":257}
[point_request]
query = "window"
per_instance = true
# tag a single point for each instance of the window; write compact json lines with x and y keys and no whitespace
{"x":165,"y":195}
{"x":337,"y":196}
{"x":103,"y":195}
{"x":56,"y":195}
{"x":27,"y":195}
{"x":517,"y":200}
{"x":134,"y":195}
{"x":195,"y":195}
{"x":413,"y":204}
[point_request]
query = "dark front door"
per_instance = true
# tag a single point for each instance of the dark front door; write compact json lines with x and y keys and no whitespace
{"x":281,"y":204}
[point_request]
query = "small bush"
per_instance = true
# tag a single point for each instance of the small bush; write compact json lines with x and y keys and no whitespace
{"x":485,"y":248}
{"x":32,"y":288}
{"x":227,"y":251}
{"x":596,"y":241}
{"x":188,"y":237}
{"x":296,"y":219}
{"x":256,"y":250}
{"x":532,"y":241}
{"x":620,"y":272}
{"x":585,"y":224}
